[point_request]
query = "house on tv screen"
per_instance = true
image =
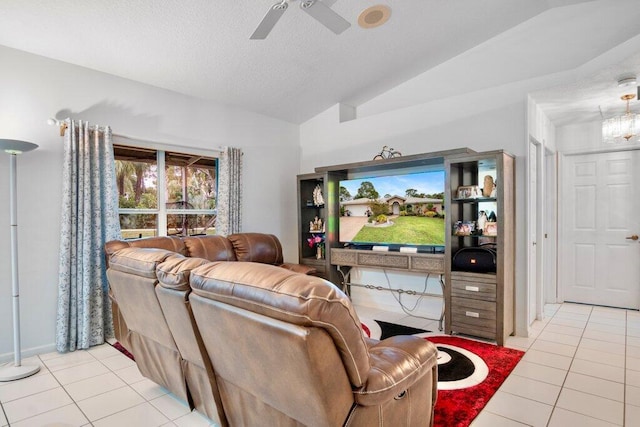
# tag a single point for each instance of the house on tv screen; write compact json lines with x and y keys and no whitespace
{"x":397,"y":204}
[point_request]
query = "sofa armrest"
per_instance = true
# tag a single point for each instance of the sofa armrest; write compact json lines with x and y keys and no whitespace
{"x":298,"y":268}
{"x":396,"y":364}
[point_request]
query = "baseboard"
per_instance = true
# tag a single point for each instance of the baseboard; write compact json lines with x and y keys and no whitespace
{"x":29,"y":352}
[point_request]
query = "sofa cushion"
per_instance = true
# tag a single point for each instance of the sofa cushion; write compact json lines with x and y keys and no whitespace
{"x":291,"y":297}
{"x":257,"y":247}
{"x":212,"y":248}
{"x":174,"y":272}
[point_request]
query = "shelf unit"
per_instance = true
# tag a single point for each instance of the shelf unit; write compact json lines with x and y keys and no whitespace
{"x":480,"y":304}
{"x":307,"y":212}
{"x":330,"y":177}
{"x":329,"y":213}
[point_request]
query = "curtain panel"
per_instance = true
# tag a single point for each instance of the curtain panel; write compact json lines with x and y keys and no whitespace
{"x":89,"y":220}
{"x":229,"y":206}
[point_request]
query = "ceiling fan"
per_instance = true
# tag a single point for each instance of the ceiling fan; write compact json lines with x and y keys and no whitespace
{"x":317,"y":9}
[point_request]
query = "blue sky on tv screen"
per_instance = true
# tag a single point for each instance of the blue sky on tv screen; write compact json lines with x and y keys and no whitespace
{"x":397,"y":185}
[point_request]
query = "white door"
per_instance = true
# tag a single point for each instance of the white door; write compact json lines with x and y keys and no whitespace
{"x":600,"y":261}
{"x":532,"y":222}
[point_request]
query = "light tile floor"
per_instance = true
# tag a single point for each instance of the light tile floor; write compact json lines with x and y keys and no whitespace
{"x":581,"y":368}
{"x":97,"y":387}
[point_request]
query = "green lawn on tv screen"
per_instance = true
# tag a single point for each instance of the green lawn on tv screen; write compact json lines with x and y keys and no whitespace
{"x":414,"y":230}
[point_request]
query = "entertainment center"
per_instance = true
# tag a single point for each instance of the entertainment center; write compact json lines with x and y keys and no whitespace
{"x":475,"y":217}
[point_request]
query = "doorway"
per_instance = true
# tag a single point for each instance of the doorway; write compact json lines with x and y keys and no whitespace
{"x":600,"y":253}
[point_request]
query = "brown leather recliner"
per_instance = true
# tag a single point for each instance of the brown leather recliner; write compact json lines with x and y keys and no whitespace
{"x":161,"y":334}
{"x":288,"y":350}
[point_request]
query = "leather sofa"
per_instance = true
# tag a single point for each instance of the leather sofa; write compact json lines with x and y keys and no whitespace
{"x":249,"y":344}
{"x":251,"y":247}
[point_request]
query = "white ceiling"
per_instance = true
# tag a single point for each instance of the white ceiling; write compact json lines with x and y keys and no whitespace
{"x":202,"y":48}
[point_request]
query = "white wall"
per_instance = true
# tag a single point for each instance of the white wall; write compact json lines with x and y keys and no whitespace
{"x":33,"y":88}
{"x":496,"y":124}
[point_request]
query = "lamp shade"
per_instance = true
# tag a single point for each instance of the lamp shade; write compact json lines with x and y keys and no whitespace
{"x":14,"y":146}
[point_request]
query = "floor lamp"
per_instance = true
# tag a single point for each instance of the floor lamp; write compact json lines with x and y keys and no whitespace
{"x":17,"y":371}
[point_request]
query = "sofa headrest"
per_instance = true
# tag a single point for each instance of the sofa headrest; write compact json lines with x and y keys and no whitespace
{"x":174,"y":244}
{"x":257,"y":247}
{"x":291,"y":297}
{"x":174,"y":272}
{"x":212,"y":248}
{"x":140,"y":261}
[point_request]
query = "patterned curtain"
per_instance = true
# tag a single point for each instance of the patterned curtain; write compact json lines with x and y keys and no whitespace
{"x":89,"y":220}
{"x":229,"y":206}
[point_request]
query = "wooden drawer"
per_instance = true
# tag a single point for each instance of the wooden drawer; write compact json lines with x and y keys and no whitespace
{"x":474,"y":277}
{"x":474,"y":290}
{"x":474,"y":317}
{"x":344,"y":257}
{"x":431,"y":264}
{"x":383,"y":260}
{"x":475,"y":331}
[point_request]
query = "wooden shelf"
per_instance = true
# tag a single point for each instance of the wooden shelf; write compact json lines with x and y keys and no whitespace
{"x":414,"y":262}
{"x":481,"y":304}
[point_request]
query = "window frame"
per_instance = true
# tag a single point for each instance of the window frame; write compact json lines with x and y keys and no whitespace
{"x":162,"y":212}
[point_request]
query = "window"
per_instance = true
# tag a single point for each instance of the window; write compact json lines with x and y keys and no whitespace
{"x":165,"y":193}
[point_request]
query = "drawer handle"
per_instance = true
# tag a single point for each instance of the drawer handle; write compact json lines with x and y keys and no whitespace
{"x":472,"y":314}
{"x":472,"y":288}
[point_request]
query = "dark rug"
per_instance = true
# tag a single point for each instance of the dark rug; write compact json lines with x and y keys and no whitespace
{"x":469,"y":372}
{"x":122,"y":350}
{"x":391,"y":329}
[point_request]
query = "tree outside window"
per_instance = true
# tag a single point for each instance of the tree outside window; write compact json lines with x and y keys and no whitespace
{"x":185,"y":202}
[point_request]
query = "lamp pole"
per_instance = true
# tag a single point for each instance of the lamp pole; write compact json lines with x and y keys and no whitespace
{"x":17,"y":371}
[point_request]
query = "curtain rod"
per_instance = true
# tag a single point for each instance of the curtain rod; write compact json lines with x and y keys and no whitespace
{"x":63,"y":127}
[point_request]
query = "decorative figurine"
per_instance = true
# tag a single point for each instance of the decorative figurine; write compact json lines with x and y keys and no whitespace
{"x":488,"y":186}
{"x":316,"y":226}
{"x":318,"y":199}
{"x":482,"y":220}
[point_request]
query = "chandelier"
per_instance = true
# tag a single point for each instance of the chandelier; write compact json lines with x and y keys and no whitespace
{"x":626,"y":126}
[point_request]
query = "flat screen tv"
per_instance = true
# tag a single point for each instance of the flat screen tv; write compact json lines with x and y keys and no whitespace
{"x":402,"y":210}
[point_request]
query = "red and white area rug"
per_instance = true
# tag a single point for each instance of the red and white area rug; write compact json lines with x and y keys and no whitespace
{"x":469,"y":372}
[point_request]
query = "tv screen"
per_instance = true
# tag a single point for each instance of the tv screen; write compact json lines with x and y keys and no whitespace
{"x":395,"y":211}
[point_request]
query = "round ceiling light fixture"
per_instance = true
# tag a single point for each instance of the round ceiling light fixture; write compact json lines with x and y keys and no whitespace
{"x":627,"y":81}
{"x":374,"y":16}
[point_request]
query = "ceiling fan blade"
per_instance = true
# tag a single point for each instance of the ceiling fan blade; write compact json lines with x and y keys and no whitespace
{"x":269,"y":21}
{"x":326,"y":16}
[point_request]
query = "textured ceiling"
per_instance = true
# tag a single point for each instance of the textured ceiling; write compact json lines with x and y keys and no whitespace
{"x":202,"y":48}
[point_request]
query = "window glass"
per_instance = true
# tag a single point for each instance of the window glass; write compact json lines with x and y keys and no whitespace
{"x":183,"y":205}
{"x":136,"y":226}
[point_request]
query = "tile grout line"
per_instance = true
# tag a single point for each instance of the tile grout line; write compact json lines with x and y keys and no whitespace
{"x":6,"y":418}
{"x":112,"y":371}
{"x":570,"y":364}
{"x":67,"y":393}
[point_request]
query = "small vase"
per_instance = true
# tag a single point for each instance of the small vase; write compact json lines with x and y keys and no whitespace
{"x":318,"y":252}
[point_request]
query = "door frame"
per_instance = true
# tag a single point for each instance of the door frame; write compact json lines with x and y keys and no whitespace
{"x":551,"y":229}
{"x":562,"y":243}
{"x":539,"y":230}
